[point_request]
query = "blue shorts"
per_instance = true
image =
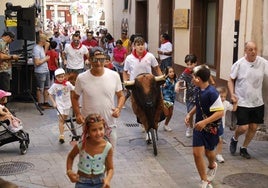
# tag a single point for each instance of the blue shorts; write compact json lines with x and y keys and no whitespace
{"x":250,"y":115}
{"x":42,"y":80}
{"x":220,"y":130}
{"x":118,"y":67}
{"x":203,"y":138}
{"x":96,"y":182}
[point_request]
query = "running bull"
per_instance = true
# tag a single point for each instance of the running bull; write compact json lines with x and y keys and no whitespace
{"x":146,"y":99}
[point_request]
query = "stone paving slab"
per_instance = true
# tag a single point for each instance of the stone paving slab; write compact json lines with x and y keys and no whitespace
{"x":135,"y":164}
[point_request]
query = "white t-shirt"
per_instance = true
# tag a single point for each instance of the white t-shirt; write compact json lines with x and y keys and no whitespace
{"x":166,"y":47}
{"x":62,"y":95}
{"x":249,"y":81}
{"x":135,"y":66}
{"x":75,"y":57}
{"x":98,"y":93}
{"x":227,"y":107}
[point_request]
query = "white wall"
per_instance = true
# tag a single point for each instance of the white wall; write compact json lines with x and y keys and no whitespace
{"x":153,"y":26}
{"x":227,"y":34}
{"x":265,"y":28}
{"x":114,"y":13}
{"x":181,"y":36}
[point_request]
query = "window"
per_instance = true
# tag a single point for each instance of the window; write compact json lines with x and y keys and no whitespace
{"x":125,"y":4}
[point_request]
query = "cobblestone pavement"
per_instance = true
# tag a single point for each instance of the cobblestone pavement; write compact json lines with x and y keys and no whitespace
{"x":135,"y":164}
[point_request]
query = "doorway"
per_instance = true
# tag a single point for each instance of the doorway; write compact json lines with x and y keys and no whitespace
{"x":205,"y":31}
{"x":142,"y":18}
{"x":166,"y":17}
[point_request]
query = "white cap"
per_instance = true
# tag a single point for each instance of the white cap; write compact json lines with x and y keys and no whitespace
{"x":59,"y":71}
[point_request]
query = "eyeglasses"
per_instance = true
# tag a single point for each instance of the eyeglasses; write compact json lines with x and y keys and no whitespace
{"x":101,"y":60}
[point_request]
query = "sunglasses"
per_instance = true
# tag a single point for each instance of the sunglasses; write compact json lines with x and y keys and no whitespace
{"x":101,"y":60}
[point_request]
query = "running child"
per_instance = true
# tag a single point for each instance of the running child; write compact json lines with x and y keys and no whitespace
{"x":223,"y":91}
{"x":59,"y":94}
{"x":169,"y":95}
{"x":209,"y":110}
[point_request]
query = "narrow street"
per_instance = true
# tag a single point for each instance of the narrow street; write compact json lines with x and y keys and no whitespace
{"x":135,"y":164}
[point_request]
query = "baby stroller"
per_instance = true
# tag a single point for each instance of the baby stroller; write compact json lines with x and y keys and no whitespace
{"x":11,"y":130}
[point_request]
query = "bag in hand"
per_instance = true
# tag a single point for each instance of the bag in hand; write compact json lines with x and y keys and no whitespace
{"x":213,"y":126}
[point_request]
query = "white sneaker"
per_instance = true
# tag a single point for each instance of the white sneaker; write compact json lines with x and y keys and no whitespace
{"x":167,"y":128}
{"x":219,"y":158}
{"x":211,"y":173}
{"x":206,"y":184}
{"x":189,"y":132}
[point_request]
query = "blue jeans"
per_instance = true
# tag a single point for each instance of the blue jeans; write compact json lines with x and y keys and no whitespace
{"x":96,"y":182}
{"x":165,"y":63}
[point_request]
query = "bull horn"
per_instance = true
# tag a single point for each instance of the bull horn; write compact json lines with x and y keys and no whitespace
{"x":160,"y":78}
{"x":129,"y":83}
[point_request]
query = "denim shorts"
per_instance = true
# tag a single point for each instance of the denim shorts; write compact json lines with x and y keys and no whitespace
{"x":84,"y":182}
{"x":118,"y":67}
{"x":42,"y":80}
{"x":78,"y":71}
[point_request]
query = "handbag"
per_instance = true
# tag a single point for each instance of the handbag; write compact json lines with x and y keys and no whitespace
{"x":213,"y":126}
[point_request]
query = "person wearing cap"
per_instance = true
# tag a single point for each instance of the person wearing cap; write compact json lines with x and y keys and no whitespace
{"x":41,"y":71}
{"x":3,"y":96}
{"x":5,"y":60}
{"x":73,"y":55}
{"x":13,"y":123}
{"x":99,"y":87}
{"x":60,"y":96}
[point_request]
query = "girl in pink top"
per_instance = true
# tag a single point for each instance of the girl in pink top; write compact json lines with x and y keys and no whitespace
{"x":119,"y":56}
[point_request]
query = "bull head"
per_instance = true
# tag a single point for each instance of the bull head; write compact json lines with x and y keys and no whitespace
{"x":131,"y":84}
{"x":146,"y":98}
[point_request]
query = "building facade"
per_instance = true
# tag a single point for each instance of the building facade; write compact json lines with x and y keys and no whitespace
{"x":214,"y":30}
{"x":74,"y":12}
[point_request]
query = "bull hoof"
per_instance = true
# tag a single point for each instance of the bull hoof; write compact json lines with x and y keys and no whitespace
{"x":148,"y":142}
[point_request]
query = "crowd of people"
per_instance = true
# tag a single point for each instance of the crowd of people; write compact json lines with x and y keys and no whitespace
{"x":96,"y":96}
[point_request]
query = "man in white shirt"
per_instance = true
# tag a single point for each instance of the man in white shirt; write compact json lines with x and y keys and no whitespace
{"x":165,"y":52}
